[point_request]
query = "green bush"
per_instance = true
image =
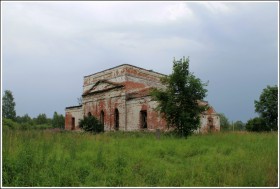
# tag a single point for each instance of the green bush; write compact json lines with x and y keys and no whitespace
{"x":8,"y":123}
{"x":257,"y":124}
{"x":91,"y":124}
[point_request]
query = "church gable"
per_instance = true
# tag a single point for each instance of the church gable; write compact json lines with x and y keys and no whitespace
{"x":102,"y":86}
{"x":211,"y":110}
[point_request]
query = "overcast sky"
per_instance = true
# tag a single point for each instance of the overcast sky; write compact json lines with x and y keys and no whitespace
{"x":47,"y":48}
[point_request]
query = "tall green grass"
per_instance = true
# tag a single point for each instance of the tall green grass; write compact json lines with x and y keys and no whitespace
{"x":45,"y":158}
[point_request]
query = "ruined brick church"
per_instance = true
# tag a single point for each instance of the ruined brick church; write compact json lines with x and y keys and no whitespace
{"x":119,"y":98}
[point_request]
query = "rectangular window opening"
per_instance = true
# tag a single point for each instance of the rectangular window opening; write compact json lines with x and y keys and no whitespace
{"x":143,"y":119}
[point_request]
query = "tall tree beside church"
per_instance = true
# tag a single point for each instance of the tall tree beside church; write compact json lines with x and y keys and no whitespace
{"x":8,"y":106}
{"x":179,"y":101}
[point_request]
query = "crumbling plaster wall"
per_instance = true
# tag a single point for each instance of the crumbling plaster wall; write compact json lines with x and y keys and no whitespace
{"x":124,"y":73}
{"x":135,"y":106}
{"x":134,"y":79}
{"x":129,"y":98}
{"x":106,"y":102}
{"x":205,"y":125}
{"x":73,"y":112}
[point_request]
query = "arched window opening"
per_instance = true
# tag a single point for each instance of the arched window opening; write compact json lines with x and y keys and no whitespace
{"x":89,"y":114}
{"x":116,"y":119}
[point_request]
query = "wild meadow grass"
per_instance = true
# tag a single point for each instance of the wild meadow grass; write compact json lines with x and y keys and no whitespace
{"x":45,"y":158}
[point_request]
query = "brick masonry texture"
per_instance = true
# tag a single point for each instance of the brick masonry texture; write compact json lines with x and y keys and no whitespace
{"x":119,"y":98}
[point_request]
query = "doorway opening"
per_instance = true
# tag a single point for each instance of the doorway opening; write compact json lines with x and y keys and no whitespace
{"x":210,"y":124}
{"x":73,"y":123}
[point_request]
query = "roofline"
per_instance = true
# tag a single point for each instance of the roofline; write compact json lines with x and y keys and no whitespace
{"x":116,"y":85}
{"x":70,"y":107}
{"x":125,"y":65}
{"x":104,"y":90}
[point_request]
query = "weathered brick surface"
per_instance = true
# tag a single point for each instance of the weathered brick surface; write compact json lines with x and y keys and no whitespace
{"x":125,"y":88}
{"x":72,"y":117}
{"x":209,"y":121}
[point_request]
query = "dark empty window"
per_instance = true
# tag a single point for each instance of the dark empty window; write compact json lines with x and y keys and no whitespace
{"x":73,"y":123}
{"x":102,"y":117}
{"x":143,"y":119}
{"x":116,"y":119}
{"x":89,"y":114}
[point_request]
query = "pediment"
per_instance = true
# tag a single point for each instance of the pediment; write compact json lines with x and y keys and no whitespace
{"x":102,"y":86}
{"x":210,"y":111}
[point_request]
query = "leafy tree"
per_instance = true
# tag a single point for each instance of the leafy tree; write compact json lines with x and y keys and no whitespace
{"x":91,"y":124}
{"x":179,"y":101}
{"x":267,"y":106}
{"x":239,"y":126}
{"x":8,"y":106}
{"x":58,"y":120}
{"x":24,"y":119}
{"x":256,"y":124}
{"x":224,"y":122}
{"x":42,"y":119}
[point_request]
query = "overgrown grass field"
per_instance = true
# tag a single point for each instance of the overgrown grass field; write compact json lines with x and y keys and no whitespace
{"x":46,"y":158}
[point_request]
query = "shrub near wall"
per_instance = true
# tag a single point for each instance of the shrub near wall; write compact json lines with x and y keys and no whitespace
{"x":91,"y":124}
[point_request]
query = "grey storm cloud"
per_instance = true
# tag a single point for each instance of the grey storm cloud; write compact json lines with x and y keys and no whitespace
{"x":47,"y":48}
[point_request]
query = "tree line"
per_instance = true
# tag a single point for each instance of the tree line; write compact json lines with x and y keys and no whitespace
{"x":226,"y":125}
{"x":178,"y":103}
{"x":14,"y":121}
{"x":267,"y":109}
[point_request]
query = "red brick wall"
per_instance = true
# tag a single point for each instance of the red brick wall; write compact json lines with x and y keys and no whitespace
{"x":68,"y":121}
